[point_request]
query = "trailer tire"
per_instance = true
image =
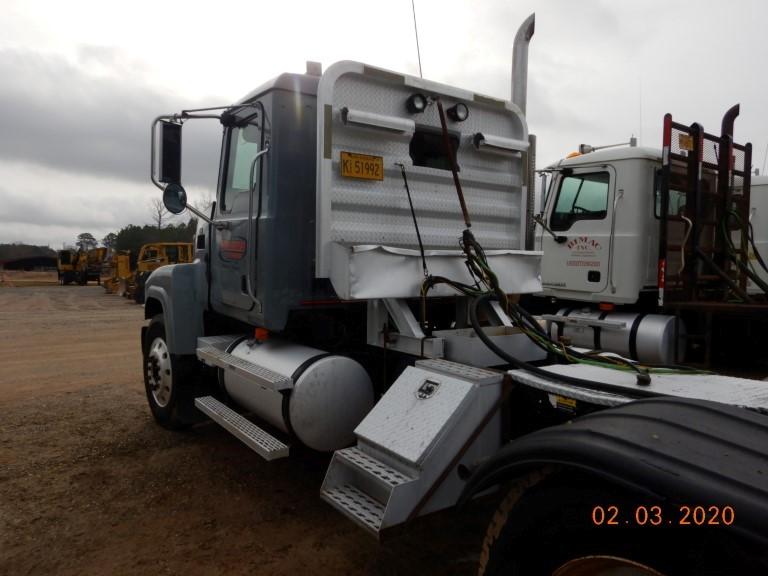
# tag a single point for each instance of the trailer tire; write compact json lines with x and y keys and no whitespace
{"x":546,"y":528}
{"x":170,"y":380}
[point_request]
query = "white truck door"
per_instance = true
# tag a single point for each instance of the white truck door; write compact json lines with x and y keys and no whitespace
{"x":580,"y":210}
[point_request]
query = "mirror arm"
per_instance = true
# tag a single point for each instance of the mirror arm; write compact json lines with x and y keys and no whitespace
{"x":199,"y":214}
{"x":186,"y":115}
{"x":557,"y":238}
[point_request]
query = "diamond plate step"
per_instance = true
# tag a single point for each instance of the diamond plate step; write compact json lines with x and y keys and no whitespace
{"x":215,"y":356}
{"x":258,"y":440}
{"x":378,"y":470}
{"x":220,"y":342}
{"x":473,"y":374}
{"x":358,"y":506}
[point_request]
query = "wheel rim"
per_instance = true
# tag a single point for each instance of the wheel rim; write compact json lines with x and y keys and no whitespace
{"x":159,"y":372}
{"x":604,"y":566}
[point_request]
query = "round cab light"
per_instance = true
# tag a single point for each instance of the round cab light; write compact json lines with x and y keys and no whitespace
{"x":458,"y":112}
{"x":416,"y":103}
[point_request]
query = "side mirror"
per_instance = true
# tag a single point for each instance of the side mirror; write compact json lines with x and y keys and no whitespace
{"x":170,"y":152}
{"x":175,"y":198}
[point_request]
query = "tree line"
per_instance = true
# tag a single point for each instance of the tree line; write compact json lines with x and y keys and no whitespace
{"x":132,"y":237}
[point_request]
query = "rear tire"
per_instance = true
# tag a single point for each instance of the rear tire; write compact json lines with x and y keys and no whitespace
{"x":548,"y":530}
{"x":170,"y":381}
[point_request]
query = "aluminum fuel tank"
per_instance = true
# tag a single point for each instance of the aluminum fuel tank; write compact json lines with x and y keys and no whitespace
{"x":330,"y":395}
{"x":644,"y":337}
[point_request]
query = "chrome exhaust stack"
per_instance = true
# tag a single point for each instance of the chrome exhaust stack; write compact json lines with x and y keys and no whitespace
{"x":520,"y":62}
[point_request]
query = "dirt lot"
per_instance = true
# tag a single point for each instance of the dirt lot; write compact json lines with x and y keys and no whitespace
{"x":90,"y":485}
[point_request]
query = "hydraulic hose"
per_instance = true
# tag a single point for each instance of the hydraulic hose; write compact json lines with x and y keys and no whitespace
{"x":561,"y":378}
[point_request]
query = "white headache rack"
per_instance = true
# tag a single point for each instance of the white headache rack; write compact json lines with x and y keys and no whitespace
{"x":257,"y":439}
{"x":437,"y":416}
{"x":366,"y":242}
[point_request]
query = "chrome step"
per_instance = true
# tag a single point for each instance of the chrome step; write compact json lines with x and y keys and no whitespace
{"x":384,"y":474}
{"x":357,"y":505}
{"x":258,"y":440}
{"x":214,"y":355}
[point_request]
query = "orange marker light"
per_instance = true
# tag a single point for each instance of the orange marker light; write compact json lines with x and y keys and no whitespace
{"x":261,"y":334}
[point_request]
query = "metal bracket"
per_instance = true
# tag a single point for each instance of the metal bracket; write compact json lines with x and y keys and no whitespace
{"x":409,"y":337}
{"x":500,"y":314}
{"x":581,"y":321}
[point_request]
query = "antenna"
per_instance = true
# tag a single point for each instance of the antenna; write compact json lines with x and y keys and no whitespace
{"x":416,"y":30}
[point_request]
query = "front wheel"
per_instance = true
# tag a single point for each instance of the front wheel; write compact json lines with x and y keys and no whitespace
{"x":549,"y":529}
{"x":169,"y":380}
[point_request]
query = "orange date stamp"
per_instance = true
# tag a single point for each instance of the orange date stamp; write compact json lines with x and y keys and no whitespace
{"x":655,"y":515}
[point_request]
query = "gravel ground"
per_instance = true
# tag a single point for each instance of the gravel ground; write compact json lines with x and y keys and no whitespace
{"x":90,"y":485}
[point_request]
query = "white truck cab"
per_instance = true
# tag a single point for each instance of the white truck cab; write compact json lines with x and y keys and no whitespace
{"x":602,"y":210}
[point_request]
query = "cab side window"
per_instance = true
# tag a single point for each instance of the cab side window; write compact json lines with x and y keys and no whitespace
{"x":580,"y":197}
{"x":244,"y":143}
{"x":677,"y":196}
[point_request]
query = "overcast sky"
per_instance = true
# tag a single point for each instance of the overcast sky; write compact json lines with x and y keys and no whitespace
{"x":80,"y":81}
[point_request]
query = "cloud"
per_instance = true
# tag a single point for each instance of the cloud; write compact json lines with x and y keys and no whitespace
{"x":48,"y":206}
{"x":74,"y":120}
{"x":92,"y":117}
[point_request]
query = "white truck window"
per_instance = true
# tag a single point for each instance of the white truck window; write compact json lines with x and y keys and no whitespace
{"x":580,"y":197}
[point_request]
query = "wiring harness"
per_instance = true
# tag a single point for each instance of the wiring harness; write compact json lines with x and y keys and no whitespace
{"x":485,"y":288}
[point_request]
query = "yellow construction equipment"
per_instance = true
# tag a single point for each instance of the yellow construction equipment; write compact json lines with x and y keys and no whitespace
{"x":87,"y":265}
{"x":65,"y":266}
{"x":118,"y":272}
{"x":151,"y":257}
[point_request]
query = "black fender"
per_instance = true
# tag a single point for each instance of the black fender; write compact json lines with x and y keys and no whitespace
{"x":689,"y":452}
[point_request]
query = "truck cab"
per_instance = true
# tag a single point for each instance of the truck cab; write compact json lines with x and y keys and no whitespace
{"x":603,"y":209}
{"x":312,"y":209}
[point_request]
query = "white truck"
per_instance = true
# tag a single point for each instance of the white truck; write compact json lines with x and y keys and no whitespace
{"x":685,"y":283}
{"x":354,"y":291}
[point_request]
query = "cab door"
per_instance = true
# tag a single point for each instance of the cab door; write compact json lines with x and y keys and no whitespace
{"x":580,"y":210}
{"x":233,"y":253}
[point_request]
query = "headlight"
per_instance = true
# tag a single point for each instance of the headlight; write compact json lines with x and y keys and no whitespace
{"x":416,"y":103}
{"x":458,"y":112}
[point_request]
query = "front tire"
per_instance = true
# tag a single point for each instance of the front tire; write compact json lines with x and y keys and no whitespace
{"x":170,"y":380}
{"x":546,"y":528}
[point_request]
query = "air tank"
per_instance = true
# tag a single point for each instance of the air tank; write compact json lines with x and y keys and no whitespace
{"x":648,"y":338}
{"x":330,"y":395}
